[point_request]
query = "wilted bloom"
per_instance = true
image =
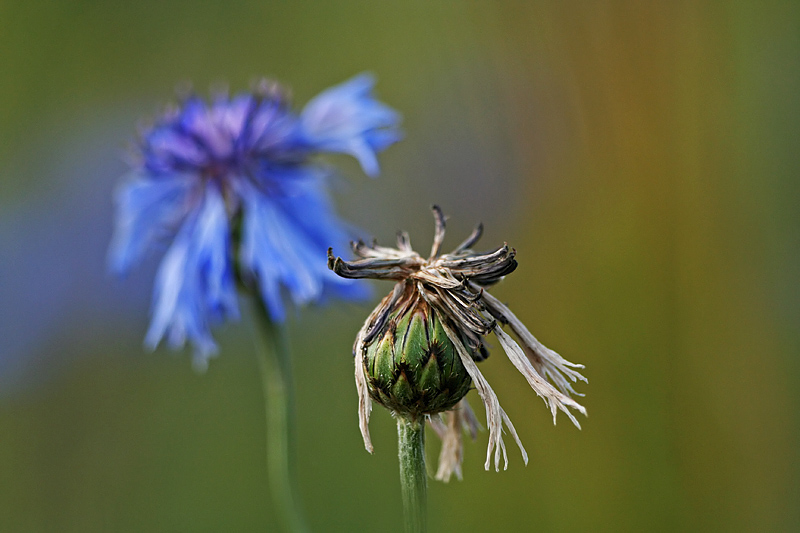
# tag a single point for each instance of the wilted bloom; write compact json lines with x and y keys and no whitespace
{"x":417,"y":351}
{"x":230,"y":188}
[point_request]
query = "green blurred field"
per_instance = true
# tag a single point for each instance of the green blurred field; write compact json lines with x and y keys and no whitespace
{"x":643,"y":159}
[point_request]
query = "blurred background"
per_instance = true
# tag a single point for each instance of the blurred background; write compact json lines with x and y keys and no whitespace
{"x":642,"y":157}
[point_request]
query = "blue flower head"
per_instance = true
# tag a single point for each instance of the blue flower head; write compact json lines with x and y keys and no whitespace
{"x":230,"y":189}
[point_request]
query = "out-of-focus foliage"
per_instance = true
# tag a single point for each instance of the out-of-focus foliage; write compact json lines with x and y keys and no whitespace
{"x":641,"y":157}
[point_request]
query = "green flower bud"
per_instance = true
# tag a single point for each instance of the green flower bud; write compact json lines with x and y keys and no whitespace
{"x":412,"y":367}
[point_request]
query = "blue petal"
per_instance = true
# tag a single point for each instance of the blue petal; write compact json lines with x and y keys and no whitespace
{"x":194,"y":286}
{"x":314,"y":215}
{"x":206,"y":126}
{"x":346,"y":118}
{"x":167,"y":148}
{"x":147,"y":210}
{"x":284,"y":245}
{"x":230,"y":117}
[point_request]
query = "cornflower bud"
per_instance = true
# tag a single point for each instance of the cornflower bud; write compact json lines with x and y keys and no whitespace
{"x":417,"y":351}
{"x":412,"y":366}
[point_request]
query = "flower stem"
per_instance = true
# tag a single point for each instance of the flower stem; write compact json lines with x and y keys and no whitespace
{"x":413,"y":476}
{"x":274,"y":362}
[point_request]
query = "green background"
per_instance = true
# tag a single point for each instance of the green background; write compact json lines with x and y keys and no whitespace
{"x":642,"y":157}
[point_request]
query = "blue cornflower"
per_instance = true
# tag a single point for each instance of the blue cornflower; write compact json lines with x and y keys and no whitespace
{"x":230,"y":188}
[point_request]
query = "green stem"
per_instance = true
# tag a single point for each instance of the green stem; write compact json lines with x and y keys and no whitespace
{"x":413,"y":476}
{"x":275,"y":364}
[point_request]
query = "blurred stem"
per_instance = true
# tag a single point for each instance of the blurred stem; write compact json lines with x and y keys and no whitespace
{"x":275,"y":364}
{"x":413,"y":476}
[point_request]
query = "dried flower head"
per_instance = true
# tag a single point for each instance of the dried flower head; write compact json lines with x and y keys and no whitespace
{"x":417,"y":351}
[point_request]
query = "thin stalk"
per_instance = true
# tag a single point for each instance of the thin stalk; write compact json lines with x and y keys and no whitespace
{"x":413,"y":476}
{"x":275,"y":364}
